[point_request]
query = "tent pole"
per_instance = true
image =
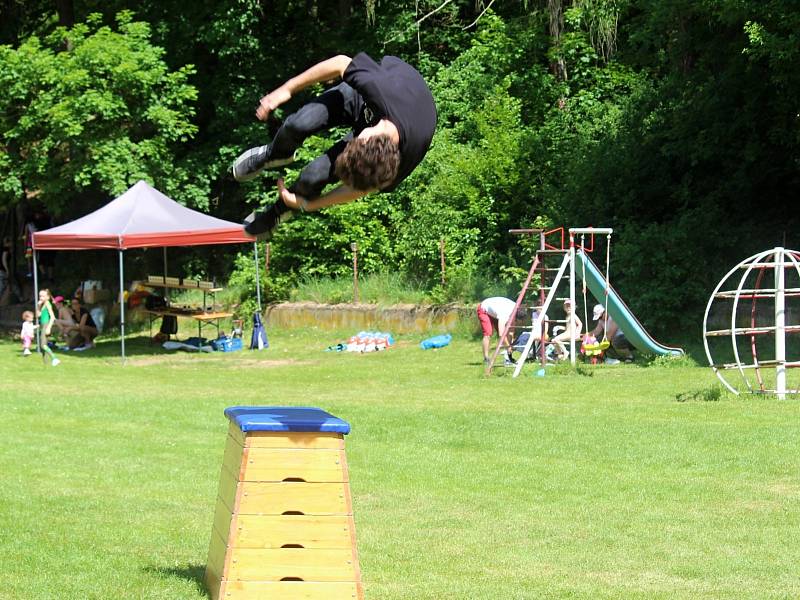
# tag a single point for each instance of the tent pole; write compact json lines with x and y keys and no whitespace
{"x":122,"y":305}
{"x":36,"y":300}
{"x":258,"y":277}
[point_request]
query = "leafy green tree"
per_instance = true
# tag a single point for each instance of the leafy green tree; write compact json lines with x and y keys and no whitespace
{"x":673,"y":122}
{"x":94,"y":118}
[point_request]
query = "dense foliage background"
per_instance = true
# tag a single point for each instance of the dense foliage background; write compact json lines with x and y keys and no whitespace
{"x":677,"y":123}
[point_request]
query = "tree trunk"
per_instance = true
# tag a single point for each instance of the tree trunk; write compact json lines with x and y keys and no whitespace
{"x":555,"y":9}
{"x":312,"y":9}
{"x":66,"y":13}
{"x":345,"y":9}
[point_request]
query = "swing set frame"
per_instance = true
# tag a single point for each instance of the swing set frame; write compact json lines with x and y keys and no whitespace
{"x":545,"y":300}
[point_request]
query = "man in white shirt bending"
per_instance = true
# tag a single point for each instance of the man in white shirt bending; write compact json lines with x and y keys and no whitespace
{"x":494,"y":313}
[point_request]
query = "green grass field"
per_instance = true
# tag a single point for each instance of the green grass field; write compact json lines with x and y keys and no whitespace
{"x":566,"y":486}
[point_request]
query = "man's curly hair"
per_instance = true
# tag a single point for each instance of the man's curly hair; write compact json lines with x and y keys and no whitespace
{"x":368,"y":164}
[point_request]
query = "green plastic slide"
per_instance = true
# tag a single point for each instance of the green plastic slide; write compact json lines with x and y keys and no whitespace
{"x":618,"y":310}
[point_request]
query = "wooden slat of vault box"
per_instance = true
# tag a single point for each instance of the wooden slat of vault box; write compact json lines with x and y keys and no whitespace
{"x":290,"y":497}
{"x":292,"y":590}
{"x":223,"y":520}
{"x":286,"y":439}
{"x":215,"y":568}
{"x":280,"y":464}
{"x":213,"y":584}
{"x":233,"y":458}
{"x":276,"y":564}
{"x":261,"y":531}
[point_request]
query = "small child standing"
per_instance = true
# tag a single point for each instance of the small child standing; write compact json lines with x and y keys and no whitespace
{"x":27,"y":333}
{"x":46,"y":319}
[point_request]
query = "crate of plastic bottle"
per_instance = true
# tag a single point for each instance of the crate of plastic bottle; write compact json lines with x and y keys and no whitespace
{"x":227,"y":344}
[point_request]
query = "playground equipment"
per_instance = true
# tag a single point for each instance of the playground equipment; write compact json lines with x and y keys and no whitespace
{"x":758,"y":312}
{"x":283,"y":526}
{"x":575,"y":260}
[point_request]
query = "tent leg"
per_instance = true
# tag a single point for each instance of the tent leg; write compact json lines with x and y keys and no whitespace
{"x":258,"y":277}
{"x":36,"y":300}
{"x":122,"y":306}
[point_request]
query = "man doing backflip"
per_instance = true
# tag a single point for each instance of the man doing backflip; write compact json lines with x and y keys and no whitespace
{"x":392,"y":117}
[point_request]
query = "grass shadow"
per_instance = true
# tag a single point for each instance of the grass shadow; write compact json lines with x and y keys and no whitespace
{"x":111,"y":347}
{"x":194,"y":573}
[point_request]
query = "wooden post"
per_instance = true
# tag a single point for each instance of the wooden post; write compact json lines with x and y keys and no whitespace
{"x":441,"y":255}
{"x":283,"y":527}
{"x":267,"y":246}
{"x":354,"y":248}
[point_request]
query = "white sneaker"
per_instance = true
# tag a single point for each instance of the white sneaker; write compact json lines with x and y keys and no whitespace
{"x":55,"y":362}
{"x":26,"y":352}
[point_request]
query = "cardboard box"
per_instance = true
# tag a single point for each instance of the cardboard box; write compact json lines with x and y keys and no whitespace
{"x":155,"y":279}
{"x":192,"y":283}
{"x":205,"y":285}
{"x":172,"y":281}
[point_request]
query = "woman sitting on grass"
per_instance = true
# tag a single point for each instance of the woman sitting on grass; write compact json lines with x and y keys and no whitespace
{"x":84,"y":331}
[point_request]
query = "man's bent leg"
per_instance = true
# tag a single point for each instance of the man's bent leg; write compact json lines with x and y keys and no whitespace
{"x":309,"y":185}
{"x":338,"y":106}
{"x":319,"y":172}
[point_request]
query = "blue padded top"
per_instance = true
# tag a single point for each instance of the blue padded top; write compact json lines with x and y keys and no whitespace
{"x":285,"y":418}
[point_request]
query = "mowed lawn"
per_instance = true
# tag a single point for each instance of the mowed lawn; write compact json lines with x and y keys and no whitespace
{"x":563,"y":486}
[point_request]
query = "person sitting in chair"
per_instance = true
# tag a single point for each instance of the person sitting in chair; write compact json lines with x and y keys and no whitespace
{"x":608,"y":329}
{"x":572,"y":331}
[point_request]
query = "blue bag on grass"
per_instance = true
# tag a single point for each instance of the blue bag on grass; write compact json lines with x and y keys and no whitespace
{"x":438,"y":341}
{"x":259,"y":340}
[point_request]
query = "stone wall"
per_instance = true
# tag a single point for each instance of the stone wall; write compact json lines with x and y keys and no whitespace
{"x":397,"y":319}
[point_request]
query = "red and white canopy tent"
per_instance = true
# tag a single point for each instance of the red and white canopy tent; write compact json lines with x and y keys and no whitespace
{"x":142,"y":217}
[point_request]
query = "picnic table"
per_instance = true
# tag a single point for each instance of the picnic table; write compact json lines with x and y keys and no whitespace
{"x":203,"y":314}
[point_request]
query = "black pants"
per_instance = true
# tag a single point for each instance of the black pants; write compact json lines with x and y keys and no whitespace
{"x":339,"y":106}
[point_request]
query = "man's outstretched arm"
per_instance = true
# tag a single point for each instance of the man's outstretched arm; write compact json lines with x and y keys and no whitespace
{"x":339,"y":195}
{"x":323,"y":71}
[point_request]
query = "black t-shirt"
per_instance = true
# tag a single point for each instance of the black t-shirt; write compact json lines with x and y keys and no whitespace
{"x":89,"y":320}
{"x":394,"y":90}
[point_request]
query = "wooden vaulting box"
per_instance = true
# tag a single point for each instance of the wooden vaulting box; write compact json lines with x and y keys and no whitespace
{"x":283,"y":526}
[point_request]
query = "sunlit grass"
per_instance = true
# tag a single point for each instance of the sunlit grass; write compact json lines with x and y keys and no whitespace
{"x":623,"y":484}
